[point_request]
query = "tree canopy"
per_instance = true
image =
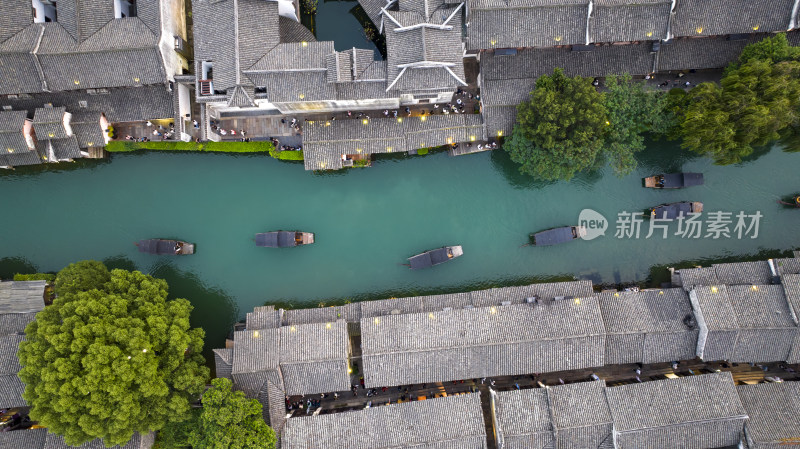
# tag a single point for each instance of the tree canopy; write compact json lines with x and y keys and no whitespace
{"x":751,"y":106}
{"x":111,"y":356}
{"x":632,"y":111}
{"x":560,"y":129}
{"x":230,"y":421}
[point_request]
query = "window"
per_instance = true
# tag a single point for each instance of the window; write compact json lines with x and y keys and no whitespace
{"x":44,"y":11}
{"x":124,"y":8}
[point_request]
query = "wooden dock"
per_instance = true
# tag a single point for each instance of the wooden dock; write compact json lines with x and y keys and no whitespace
{"x":97,"y":153}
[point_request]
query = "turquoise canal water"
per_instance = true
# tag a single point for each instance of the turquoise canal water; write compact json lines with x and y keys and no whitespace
{"x":367,"y":222}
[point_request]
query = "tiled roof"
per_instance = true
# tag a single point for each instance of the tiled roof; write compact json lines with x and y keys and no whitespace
{"x":9,"y":344}
{"x":701,"y":52}
{"x":11,"y":389}
{"x":648,"y":326}
{"x":215,"y":38}
{"x":791,"y":288}
{"x":20,"y":159}
{"x":453,"y":422}
{"x":532,"y":23}
{"x":87,"y":129}
{"x":119,"y":105}
{"x":256,"y":350}
{"x":240,"y":97}
{"x":273,"y":401}
{"x":264,"y":317}
{"x":48,"y":123}
{"x":63,"y":70}
{"x":499,"y":120}
{"x":703,"y":17}
{"x":21,"y":296}
{"x":324,"y":143}
{"x":223,"y":362}
{"x":138,"y":441}
{"x":348,"y":312}
{"x":291,"y":31}
{"x":27,"y":438}
{"x":479,"y":342}
{"x":695,"y":411}
{"x":64,"y":149}
{"x":787,"y":265}
{"x":314,"y":358}
{"x":523,"y":419}
{"x":774,"y":411}
{"x":13,"y":323}
{"x":629,"y":20}
{"x":12,"y":139}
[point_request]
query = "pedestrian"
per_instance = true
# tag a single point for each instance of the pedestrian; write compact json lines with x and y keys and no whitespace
{"x":638,"y":371}
{"x":458,"y":101}
{"x":149,"y":123}
{"x":195,"y":124}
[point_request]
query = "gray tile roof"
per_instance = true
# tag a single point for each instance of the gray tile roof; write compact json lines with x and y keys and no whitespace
{"x":324,"y":143}
{"x":256,"y":351}
{"x":580,"y":414}
{"x":629,"y":20}
{"x":348,"y":312}
{"x":48,"y":123}
{"x":138,"y":441}
{"x":648,"y":326}
{"x":689,"y":412}
{"x":499,"y":120}
{"x":273,"y":401}
{"x":791,"y":288}
{"x":744,"y":273}
{"x":373,"y":10}
{"x":314,"y":358}
{"x":701,"y":52}
{"x":87,"y":129}
{"x":774,"y":411}
{"x":11,"y":389}
{"x":485,"y":341}
{"x":9,"y":344}
{"x":702,"y":17}
{"x":532,"y":23}
{"x":21,"y":296}
{"x":12,"y":138}
{"x":13,"y":323}
{"x":27,"y":438}
{"x":787,"y":266}
{"x":523,"y":419}
{"x":291,"y":31}
{"x":453,"y":422}
{"x":264,"y":317}
{"x":717,"y":322}
{"x":21,"y":159}
{"x":119,"y":105}
{"x":223,"y":362}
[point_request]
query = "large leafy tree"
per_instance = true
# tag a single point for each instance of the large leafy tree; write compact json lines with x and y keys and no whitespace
{"x":560,"y":130}
{"x":230,"y":421}
{"x":111,"y":358}
{"x":753,"y":104}
{"x":632,"y":111}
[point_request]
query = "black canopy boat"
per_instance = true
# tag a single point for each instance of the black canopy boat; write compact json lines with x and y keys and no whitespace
{"x":434,"y":257}
{"x":165,"y":247}
{"x":674,"y":180}
{"x":557,"y":235}
{"x":672,"y":211}
{"x":791,"y":201}
{"x":284,"y":239}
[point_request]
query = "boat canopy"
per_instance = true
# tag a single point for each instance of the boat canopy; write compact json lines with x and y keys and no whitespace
{"x":157,"y":246}
{"x":553,"y":236}
{"x":429,"y":258}
{"x":677,"y":180}
{"x":673,"y":210}
{"x":276,"y":239}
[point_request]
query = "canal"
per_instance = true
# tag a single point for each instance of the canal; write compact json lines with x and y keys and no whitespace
{"x":367,"y":222}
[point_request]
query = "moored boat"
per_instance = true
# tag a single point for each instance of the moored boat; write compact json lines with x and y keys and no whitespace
{"x":555,"y":236}
{"x":674,"y":180}
{"x":792,"y":201}
{"x":434,"y":257}
{"x":672,"y":211}
{"x":284,"y":239}
{"x":165,"y":247}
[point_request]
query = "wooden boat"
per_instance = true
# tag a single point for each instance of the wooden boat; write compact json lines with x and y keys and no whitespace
{"x":672,"y":211}
{"x":165,"y":247}
{"x":791,"y":201}
{"x":674,"y":180}
{"x":557,"y":235}
{"x":284,"y":239}
{"x":434,"y":257}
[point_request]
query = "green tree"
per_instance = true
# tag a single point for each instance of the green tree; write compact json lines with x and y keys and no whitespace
{"x":632,"y":111}
{"x":230,"y":421}
{"x":775,"y":49}
{"x":115,"y":359}
{"x":560,"y":129}
{"x":81,"y":276}
{"x":175,"y":435}
{"x":752,"y":105}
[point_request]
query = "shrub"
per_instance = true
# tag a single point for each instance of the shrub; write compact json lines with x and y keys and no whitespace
{"x":35,"y":277}
{"x":119,"y":146}
{"x":286,"y":155}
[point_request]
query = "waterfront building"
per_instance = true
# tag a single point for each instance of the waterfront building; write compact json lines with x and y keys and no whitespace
{"x":453,"y":422}
{"x":773,"y":410}
{"x":19,"y":303}
{"x":117,"y":58}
